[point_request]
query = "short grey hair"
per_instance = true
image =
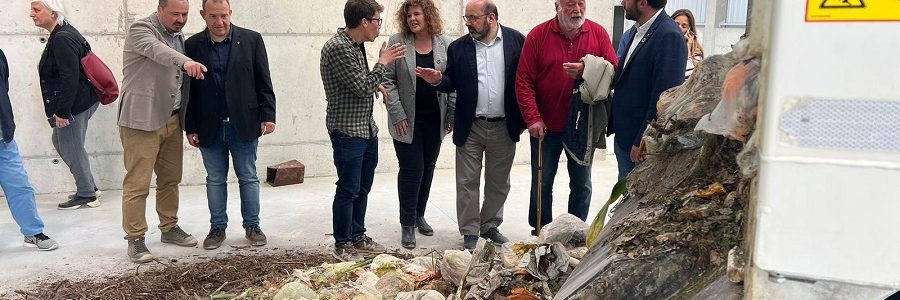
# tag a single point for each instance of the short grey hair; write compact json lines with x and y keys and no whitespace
{"x":55,"y":6}
{"x":203,"y":4}
{"x":163,"y":3}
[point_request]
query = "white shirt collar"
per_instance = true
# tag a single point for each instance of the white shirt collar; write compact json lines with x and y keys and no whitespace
{"x":496,"y":39}
{"x":649,"y":23}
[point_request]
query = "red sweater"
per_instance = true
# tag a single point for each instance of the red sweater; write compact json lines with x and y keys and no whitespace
{"x":543,"y":89}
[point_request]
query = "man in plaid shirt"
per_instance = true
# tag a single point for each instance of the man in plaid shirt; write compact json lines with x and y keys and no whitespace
{"x":349,"y":90}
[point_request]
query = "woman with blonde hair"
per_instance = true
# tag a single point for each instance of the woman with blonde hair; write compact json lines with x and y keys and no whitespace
{"x":685,"y":19}
{"x":420,"y":116}
{"x":69,"y":98}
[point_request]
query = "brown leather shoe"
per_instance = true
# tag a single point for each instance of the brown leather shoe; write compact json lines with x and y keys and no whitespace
{"x":255,"y":235}
{"x":214,"y":239}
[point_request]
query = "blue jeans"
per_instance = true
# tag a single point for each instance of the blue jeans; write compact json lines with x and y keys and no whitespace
{"x":579,"y":181}
{"x":215,"y":159}
{"x":355,"y":159}
{"x":623,"y":158}
{"x":19,"y":193}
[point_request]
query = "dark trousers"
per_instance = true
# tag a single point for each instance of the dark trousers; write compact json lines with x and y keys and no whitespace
{"x":623,"y":158}
{"x":579,"y":181}
{"x":417,"y":161}
{"x":355,"y":159}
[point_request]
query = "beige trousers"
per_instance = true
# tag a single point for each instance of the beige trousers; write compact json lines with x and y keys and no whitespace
{"x":147,"y":152}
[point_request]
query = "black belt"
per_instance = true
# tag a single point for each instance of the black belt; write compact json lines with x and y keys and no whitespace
{"x":491,"y":119}
{"x":175,"y":112}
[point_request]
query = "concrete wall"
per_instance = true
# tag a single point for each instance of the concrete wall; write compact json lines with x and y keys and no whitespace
{"x":294,"y":31}
{"x":725,"y":37}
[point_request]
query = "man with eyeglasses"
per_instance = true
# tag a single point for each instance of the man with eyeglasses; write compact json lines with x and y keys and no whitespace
{"x":487,"y":118}
{"x":551,"y":65}
{"x":349,"y":87}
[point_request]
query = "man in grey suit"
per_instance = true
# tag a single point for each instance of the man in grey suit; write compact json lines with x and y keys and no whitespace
{"x":151,"y":118}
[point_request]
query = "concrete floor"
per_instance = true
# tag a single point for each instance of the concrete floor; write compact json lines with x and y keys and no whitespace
{"x":294,"y":217}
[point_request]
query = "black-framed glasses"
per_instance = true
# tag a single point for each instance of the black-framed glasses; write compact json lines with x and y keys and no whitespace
{"x":473,"y":18}
{"x":377,"y":21}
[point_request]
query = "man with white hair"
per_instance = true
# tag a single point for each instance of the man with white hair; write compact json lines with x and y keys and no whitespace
{"x":549,"y":68}
{"x":151,"y":117}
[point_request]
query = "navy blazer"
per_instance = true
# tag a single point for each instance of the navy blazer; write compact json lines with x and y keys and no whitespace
{"x":248,"y":86}
{"x":461,"y":76}
{"x":7,"y":123}
{"x":656,"y":65}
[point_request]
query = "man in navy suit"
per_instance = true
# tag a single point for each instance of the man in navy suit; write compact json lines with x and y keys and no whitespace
{"x":481,"y":69}
{"x":652,"y":57}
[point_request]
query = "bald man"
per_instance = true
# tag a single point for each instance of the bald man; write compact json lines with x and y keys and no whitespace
{"x":487,"y":118}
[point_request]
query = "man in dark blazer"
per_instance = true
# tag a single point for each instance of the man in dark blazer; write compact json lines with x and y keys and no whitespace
{"x":481,"y":69}
{"x":228,"y":112}
{"x":652,"y":57}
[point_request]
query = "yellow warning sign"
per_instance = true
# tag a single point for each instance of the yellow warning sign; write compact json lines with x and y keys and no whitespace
{"x":852,"y":10}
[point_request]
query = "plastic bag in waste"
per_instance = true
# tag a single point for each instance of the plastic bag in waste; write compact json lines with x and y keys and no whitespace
{"x":350,"y":291}
{"x":482,"y":262}
{"x":328,"y":274}
{"x":367,"y":279}
{"x":578,"y":253}
{"x":393,"y":283}
{"x":454,"y":265}
{"x":735,"y":115}
{"x":486,"y":287}
{"x":384,"y":263}
{"x":421,"y":295}
{"x":548,"y":261}
{"x":508,"y":257}
{"x":421,"y":265}
{"x":566,"y":229}
{"x":296,"y":291}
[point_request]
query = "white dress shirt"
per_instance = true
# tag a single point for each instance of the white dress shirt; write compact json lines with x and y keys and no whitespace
{"x":491,"y":77}
{"x":639,"y":36}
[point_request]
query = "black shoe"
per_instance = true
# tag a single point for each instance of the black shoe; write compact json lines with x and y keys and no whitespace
{"x":494,"y":235}
{"x":423,"y":226}
{"x":470,"y":241}
{"x":79,"y":202}
{"x":408,"y":237}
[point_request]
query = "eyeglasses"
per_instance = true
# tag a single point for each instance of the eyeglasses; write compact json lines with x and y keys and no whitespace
{"x":473,"y":18}
{"x":377,"y":21}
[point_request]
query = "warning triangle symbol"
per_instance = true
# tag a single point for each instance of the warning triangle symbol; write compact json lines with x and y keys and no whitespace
{"x":842,"y":4}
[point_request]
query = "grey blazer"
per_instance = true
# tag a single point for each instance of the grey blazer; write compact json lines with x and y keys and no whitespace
{"x":152,"y":70}
{"x":400,"y":82}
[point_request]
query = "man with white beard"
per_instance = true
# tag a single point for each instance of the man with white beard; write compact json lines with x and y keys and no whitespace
{"x":549,"y":68}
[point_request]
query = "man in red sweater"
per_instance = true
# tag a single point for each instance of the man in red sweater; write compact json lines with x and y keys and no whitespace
{"x":549,"y":68}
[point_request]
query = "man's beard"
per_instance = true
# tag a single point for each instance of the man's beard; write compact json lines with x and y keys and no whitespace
{"x":479,"y":35}
{"x":632,"y":14}
{"x":569,"y":23}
